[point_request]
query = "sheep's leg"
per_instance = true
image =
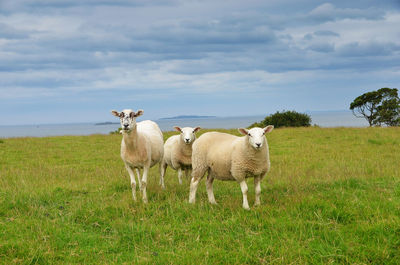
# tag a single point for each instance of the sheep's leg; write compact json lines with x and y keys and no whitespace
{"x":133,"y":182}
{"x":162,"y":167}
{"x":257,"y":188}
{"x":197,"y":175}
{"x":209,"y":187}
{"x":194,"y":183}
{"x":244,"y":188}
{"x":144,"y":184}
{"x":189,"y":173}
{"x":180,"y":175}
{"x":139,"y":179}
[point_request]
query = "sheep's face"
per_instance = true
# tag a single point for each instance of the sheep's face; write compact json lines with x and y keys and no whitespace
{"x":187,"y":134}
{"x":256,"y":136}
{"x":127,"y":118}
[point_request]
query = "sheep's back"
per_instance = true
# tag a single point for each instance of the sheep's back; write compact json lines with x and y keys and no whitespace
{"x":213,"y":150}
{"x":168,"y":146}
{"x":213,"y":141}
{"x":153,"y":133}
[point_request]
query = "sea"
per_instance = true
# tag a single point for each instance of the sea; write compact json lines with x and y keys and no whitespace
{"x":320,"y":118}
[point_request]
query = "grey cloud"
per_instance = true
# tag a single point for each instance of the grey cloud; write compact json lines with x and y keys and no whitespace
{"x":219,"y":43}
{"x":41,"y":82}
{"x":320,"y":33}
{"x":216,"y":37}
{"x":328,"y":12}
{"x":357,"y":49}
{"x":322,"y":47}
{"x":308,"y":36}
{"x":326,"y":33}
{"x":232,"y":31}
{"x":95,"y":46}
{"x":40,"y":6}
{"x":9,"y":32}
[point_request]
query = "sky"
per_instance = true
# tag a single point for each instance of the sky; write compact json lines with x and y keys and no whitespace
{"x":71,"y":61}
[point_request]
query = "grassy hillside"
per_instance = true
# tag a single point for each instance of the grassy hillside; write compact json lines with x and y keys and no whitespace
{"x":332,"y":196}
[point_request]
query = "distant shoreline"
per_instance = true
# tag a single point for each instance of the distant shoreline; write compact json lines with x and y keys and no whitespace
{"x":106,"y":123}
{"x":181,"y":117}
{"x":322,"y":119}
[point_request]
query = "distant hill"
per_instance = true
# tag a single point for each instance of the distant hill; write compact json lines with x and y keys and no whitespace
{"x":187,"y":117}
{"x":106,"y":123}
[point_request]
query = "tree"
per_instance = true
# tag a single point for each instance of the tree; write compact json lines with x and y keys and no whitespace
{"x":285,"y":119}
{"x":378,"y":107}
{"x":389,"y":112}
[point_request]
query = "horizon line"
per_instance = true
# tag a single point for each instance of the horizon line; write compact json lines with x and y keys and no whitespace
{"x":166,"y":118}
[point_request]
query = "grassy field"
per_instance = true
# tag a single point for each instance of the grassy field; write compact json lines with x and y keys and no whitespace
{"x":332,"y":196}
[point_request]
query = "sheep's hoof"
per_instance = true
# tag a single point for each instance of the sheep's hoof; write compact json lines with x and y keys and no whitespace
{"x":214,"y":203}
{"x":246,"y":207}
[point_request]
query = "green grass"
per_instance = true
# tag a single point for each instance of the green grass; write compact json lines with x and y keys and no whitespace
{"x":332,"y":196}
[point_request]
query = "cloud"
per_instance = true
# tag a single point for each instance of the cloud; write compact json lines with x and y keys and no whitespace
{"x":326,"y":33}
{"x":44,"y":6}
{"x":9,"y":32}
{"x":373,"y":48}
{"x":322,"y":47}
{"x":156,"y":52}
{"x":328,"y":12}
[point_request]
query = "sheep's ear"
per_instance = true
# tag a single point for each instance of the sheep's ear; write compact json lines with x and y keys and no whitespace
{"x":196,"y":129}
{"x":139,"y":113}
{"x":268,"y":129}
{"x":243,"y":131}
{"x":178,"y":128}
{"x":115,"y":113}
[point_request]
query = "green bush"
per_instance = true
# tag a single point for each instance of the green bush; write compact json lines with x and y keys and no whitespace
{"x":285,"y":119}
{"x":118,"y":131}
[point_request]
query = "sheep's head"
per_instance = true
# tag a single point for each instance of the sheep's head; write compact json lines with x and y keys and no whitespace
{"x":256,"y":136}
{"x":187,"y":133}
{"x":127,"y":118}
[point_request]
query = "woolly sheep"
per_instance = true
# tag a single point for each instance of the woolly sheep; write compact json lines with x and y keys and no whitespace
{"x":228,"y":157}
{"x":178,"y":151}
{"x":141,"y":147}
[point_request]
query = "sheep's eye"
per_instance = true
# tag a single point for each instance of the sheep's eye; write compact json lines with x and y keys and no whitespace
{"x":249,"y":134}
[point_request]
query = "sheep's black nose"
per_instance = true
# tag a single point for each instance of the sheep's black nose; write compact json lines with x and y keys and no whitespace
{"x":126,"y":125}
{"x":258,"y":145}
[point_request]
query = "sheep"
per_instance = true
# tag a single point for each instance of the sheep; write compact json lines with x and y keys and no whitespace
{"x":228,"y":157}
{"x":178,"y":151}
{"x":141,"y":147}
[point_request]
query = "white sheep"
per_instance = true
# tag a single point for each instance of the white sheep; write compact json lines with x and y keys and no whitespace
{"x":141,"y":147}
{"x":228,"y":157}
{"x":178,"y":151}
